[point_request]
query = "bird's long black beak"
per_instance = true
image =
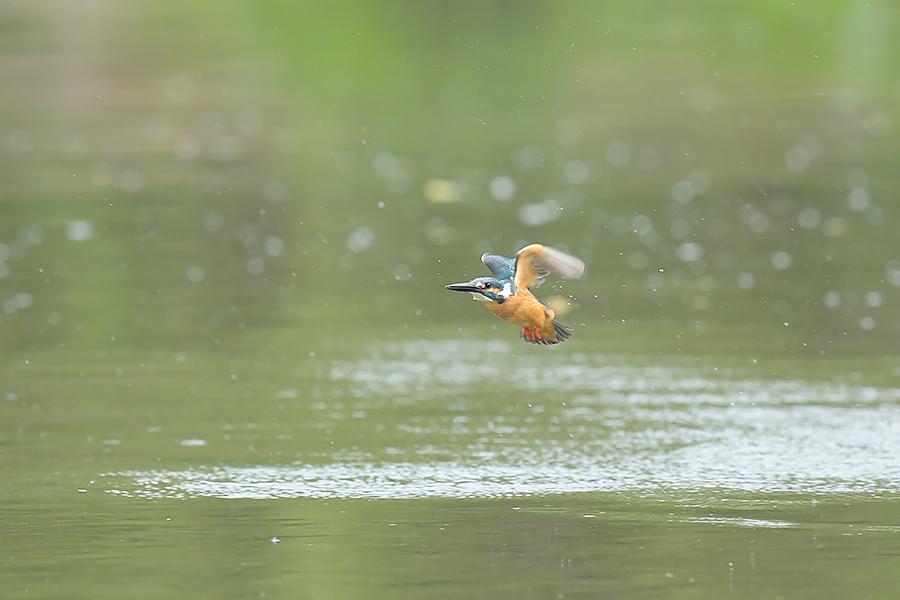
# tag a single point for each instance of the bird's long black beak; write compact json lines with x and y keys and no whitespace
{"x":462,"y":287}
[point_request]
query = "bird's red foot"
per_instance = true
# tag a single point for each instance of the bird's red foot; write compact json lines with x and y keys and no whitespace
{"x":532,"y":334}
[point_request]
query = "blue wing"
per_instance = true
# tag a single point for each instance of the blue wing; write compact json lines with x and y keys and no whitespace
{"x":502,"y":268}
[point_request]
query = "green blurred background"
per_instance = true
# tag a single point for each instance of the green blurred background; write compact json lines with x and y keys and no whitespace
{"x":225,"y":231}
{"x":176,"y":174}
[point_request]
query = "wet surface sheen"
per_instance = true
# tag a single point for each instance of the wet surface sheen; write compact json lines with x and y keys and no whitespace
{"x":402,"y":470}
{"x":592,"y":423}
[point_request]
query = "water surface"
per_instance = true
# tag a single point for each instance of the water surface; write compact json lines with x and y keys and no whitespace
{"x":457,"y":419}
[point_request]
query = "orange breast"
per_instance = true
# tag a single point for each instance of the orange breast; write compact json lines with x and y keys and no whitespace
{"x":524,"y":310}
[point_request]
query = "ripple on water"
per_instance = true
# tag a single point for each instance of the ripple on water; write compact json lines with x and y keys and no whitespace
{"x":454,"y":480}
{"x":616,"y":428}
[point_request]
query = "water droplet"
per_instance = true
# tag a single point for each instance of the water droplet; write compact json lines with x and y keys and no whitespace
{"x":618,"y":154}
{"x":874,"y":299}
{"x":273,"y":246}
{"x":195,"y":274}
{"x":683,"y":191}
{"x":360,"y":239}
{"x":255,"y":265}
{"x":577,"y":171}
{"x":690,"y":251}
{"x":797,"y":159}
{"x":80,"y":230}
{"x":781,"y":260}
{"x":858,"y":199}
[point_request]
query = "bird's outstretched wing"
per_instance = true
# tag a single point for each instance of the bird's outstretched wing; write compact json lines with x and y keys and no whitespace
{"x":501,"y":267}
{"x":534,"y":262}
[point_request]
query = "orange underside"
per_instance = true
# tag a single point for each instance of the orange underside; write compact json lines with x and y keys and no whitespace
{"x":524,"y":310}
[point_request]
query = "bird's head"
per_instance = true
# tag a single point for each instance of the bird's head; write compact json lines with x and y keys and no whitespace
{"x":486,"y":289}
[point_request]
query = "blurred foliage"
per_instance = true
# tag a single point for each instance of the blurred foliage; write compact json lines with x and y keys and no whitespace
{"x":258,"y":165}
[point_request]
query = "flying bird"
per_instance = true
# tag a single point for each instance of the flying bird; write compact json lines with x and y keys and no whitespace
{"x":506,"y":293}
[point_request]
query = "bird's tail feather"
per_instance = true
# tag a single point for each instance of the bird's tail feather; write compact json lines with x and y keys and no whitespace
{"x":562,"y":331}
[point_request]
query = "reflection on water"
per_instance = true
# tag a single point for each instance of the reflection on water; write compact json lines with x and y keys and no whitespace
{"x":593,"y":424}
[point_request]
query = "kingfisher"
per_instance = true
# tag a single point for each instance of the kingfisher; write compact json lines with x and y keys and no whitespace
{"x":506,"y":293}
